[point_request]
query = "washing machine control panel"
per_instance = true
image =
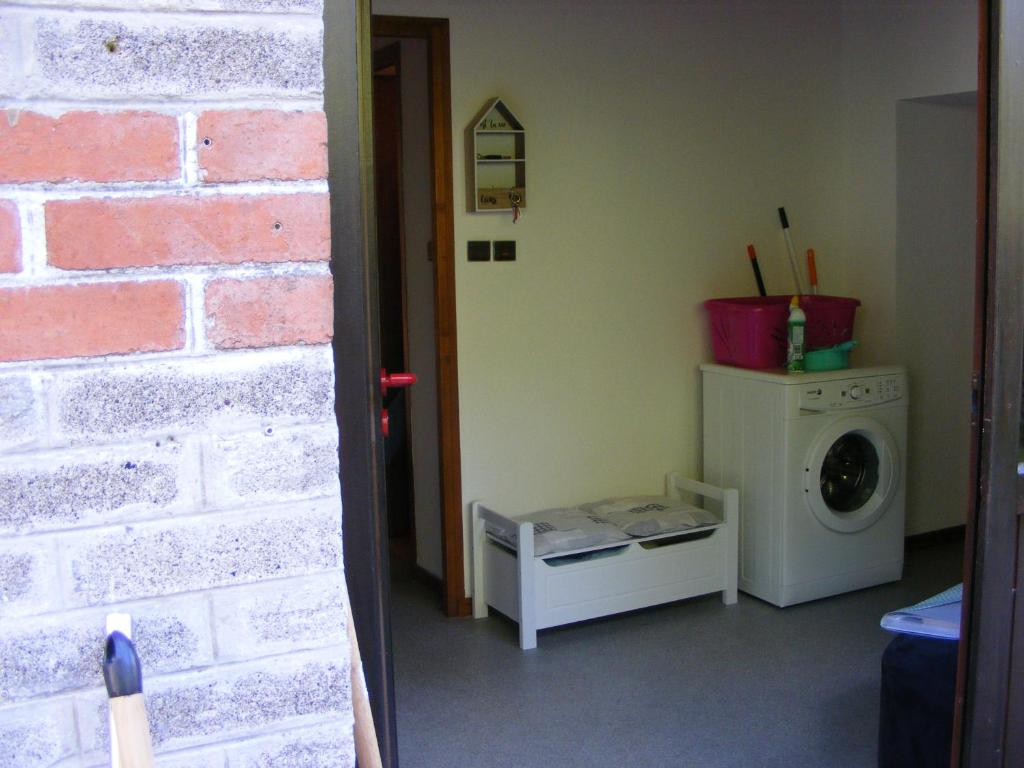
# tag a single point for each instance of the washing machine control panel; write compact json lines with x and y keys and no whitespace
{"x":851,"y":393}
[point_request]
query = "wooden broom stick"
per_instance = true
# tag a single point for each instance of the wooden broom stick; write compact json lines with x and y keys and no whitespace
{"x":122,"y":673}
{"x":367,"y":749}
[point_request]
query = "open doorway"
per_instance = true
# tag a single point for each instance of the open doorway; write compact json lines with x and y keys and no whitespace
{"x":412,"y":150}
{"x":936,"y":159}
{"x":406,"y":310}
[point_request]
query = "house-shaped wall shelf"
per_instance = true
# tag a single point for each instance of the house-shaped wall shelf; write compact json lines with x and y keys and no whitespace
{"x":498,"y":159}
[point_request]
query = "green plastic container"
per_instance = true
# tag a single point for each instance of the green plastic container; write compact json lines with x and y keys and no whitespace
{"x":830,"y":358}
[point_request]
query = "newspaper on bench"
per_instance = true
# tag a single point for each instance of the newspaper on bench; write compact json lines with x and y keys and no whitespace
{"x":564,"y":529}
{"x":651,"y":515}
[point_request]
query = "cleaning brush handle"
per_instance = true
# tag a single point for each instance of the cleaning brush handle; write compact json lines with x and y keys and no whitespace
{"x":792,"y":252}
{"x":812,"y":271}
{"x":752,"y":255}
{"x":134,"y":745}
{"x":122,"y":673}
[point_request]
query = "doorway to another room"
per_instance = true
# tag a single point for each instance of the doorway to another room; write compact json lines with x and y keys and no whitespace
{"x":406,"y":307}
{"x":416,"y":296}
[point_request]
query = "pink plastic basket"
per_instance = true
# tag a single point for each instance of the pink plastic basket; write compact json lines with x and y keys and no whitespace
{"x":750,"y":331}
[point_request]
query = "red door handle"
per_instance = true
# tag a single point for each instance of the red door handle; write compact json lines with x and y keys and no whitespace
{"x":395,"y":380}
{"x":392,"y":381}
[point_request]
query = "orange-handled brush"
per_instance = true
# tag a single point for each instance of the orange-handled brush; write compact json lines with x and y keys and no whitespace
{"x":812,"y":271}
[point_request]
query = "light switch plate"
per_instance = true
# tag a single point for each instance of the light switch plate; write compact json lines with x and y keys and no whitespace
{"x":504,"y":250}
{"x":479,"y":250}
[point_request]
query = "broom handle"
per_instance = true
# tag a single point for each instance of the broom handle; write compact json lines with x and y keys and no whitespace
{"x":117,"y":622}
{"x":130,"y":743}
{"x":792,"y":253}
{"x":812,"y":271}
{"x":134,"y":747}
{"x":367,"y":749}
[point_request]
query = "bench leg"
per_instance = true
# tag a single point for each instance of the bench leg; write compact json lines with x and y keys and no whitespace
{"x":527,"y":593}
{"x":479,"y":545}
{"x":731,"y":512}
{"x":527,"y":637}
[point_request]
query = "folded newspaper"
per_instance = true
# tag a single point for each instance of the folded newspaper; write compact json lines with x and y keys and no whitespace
{"x":938,"y":616}
{"x":650,"y":515}
{"x":563,"y":530}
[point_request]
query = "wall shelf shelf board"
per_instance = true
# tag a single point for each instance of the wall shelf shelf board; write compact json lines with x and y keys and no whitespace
{"x":497,"y":159}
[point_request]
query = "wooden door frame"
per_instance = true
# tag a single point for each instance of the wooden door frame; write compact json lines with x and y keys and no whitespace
{"x":987,"y":692}
{"x":435,"y":33}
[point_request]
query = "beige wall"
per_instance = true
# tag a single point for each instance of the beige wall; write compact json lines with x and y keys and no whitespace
{"x":661,"y":138}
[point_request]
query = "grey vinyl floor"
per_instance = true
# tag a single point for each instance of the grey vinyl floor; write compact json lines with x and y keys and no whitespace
{"x":693,"y":683}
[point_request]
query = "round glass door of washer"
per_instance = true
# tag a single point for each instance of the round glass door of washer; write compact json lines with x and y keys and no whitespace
{"x":850,"y":473}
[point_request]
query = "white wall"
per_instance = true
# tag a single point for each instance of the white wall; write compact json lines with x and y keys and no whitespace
{"x":661,"y":138}
{"x":934,"y":314}
{"x":893,"y":52}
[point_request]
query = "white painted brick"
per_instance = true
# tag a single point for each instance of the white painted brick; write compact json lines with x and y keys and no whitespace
{"x":326,"y":746}
{"x":105,"y":55}
{"x":272,"y":465}
{"x":188,"y":758}
{"x":193,"y":758}
{"x":37,"y":735}
{"x":314,"y":7}
{"x":28,"y":577}
{"x":91,"y":712}
{"x":47,"y":655}
{"x":151,"y":559}
{"x":280,"y":616}
{"x":11,"y":75}
{"x":22,"y":423}
{"x":59,"y":490}
{"x":138,"y":426}
{"x":202,"y":708}
{"x":237,"y":6}
{"x":218,"y":394}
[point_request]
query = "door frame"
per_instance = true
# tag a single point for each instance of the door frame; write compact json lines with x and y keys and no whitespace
{"x":436,"y":34}
{"x":990,"y":680}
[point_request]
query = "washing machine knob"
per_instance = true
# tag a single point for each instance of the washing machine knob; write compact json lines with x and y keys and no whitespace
{"x":856,"y":392}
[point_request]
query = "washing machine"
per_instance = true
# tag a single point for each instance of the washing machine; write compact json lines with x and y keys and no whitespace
{"x":820,"y":463}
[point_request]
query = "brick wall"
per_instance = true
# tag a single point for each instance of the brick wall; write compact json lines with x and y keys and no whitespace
{"x":167,"y":437}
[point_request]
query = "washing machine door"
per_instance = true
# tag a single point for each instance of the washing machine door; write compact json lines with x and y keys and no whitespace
{"x":851,"y":473}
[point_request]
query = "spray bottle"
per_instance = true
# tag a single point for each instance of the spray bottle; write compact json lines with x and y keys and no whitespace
{"x":795,"y":347}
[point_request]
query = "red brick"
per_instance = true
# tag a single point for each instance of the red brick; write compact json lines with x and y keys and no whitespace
{"x":88,"y":320}
{"x":89,"y":146}
{"x":241,"y":145}
{"x":145,"y":232}
{"x":10,"y":237}
{"x":269,"y":311}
